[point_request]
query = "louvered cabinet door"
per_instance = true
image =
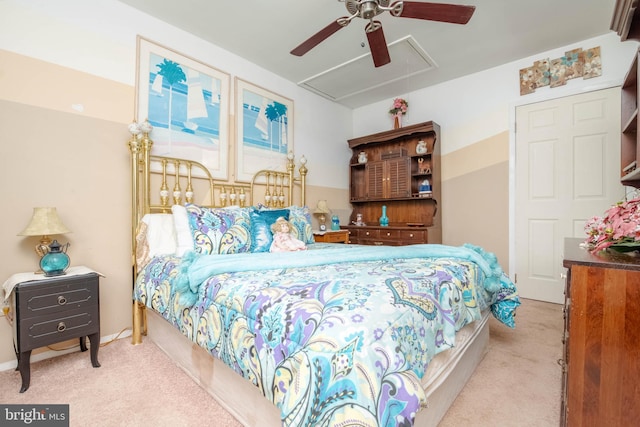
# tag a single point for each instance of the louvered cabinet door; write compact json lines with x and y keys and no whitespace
{"x":375,"y":180}
{"x":398,"y":177}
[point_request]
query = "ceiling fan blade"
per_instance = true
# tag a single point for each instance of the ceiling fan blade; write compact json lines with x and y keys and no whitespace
{"x":442,"y":12}
{"x":377,"y":44}
{"x":320,"y":36}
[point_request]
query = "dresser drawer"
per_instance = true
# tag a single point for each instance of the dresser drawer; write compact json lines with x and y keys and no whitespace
{"x":388,"y":236}
{"x":44,"y":298}
{"x":411,"y":237}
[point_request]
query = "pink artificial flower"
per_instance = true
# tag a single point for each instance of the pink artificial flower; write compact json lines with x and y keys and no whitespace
{"x":620,"y":225}
{"x":399,"y":106}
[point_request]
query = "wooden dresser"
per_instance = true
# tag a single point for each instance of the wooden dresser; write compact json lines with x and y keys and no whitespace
{"x":601,"y":375}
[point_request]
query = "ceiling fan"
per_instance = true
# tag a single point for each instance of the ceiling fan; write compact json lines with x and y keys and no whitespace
{"x":368,"y":9}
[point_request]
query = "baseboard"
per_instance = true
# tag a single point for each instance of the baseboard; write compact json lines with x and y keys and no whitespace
{"x":48,"y":354}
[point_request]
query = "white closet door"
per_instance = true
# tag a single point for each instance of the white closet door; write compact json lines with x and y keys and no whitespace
{"x":567,"y":170}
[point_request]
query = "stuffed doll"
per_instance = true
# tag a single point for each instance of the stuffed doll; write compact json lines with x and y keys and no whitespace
{"x":283,"y":240}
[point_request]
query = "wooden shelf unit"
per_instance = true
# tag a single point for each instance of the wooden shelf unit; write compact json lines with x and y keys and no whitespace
{"x":392,"y":177}
{"x":626,"y":23}
{"x":629,"y":147}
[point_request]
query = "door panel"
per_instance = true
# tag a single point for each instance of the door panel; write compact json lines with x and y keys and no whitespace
{"x":567,"y":170}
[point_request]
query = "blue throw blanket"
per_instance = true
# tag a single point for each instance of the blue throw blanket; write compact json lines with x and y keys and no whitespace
{"x":195,"y":269}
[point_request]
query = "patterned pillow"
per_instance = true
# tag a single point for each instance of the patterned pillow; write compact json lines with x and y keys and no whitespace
{"x":238,"y":238}
{"x":300,"y":218}
{"x":261,"y":220}
{"x":219,"y":230}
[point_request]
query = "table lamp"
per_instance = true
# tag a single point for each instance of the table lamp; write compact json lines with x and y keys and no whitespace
{"x":322,"y":210}
{"x":45,"y":222}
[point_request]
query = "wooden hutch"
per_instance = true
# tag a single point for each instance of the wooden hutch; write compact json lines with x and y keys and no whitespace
{"x":401,"y":172}
{"x":626,"y":23}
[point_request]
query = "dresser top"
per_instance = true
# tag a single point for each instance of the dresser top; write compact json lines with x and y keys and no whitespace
{"x":575,"y":255}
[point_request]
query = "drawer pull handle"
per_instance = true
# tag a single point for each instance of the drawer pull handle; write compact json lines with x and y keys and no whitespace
{"x":378,"y":243}
{"x":62,"y":300}
{"x":61,"y":327}
{"x":388,"y":234}
{"x":411,"y":235}
{"x":367,"y":233}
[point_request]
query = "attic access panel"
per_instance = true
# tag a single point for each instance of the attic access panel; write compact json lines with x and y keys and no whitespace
{"x":359,"y":75}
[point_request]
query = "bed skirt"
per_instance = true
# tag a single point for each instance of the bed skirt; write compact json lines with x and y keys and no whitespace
{"x":447,"y":374}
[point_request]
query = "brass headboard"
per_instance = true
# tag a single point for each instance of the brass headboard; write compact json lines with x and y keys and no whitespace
{"x":159,"y":182}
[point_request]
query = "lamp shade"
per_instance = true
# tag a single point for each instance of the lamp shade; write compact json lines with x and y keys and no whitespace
{"x":45,"y":221}
{"x":322,"y":208}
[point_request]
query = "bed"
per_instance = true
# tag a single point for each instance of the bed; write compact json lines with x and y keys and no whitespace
{"x":332,"y":336}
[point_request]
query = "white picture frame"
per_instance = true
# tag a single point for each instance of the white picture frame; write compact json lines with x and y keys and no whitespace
{"x":264,"y":127}
{"x":194,"y":95}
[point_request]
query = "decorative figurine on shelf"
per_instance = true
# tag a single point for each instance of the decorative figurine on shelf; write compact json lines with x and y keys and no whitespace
{"x":283,"y":240}
{"x":362,"y":157}
{"x":421,"y":148}
{"x":384,"y":219}
{"x":335,"y":223}
{"x":358,"y":222}
{"x":424,"y":167}
{"x":425,"y":189}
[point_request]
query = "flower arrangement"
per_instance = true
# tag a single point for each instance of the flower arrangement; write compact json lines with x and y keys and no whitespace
{"x":619,"y":229}
{"x":399,"y":107}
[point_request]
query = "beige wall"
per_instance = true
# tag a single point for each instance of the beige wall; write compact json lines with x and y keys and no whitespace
{"x":53,"y":155}
{"x":475,"y":193}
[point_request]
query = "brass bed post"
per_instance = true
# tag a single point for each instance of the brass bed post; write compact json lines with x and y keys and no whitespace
{"x":303,"y":181}
{"x":140,"y":148}
{"x":134,"y":149}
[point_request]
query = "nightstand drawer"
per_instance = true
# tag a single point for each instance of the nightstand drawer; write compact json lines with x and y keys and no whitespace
{"x":44,"y":298}
{"x":57,"y":327}
{"x":334,"y":236}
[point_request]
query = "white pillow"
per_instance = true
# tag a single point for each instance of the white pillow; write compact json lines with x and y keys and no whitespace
{"x":184,"y":239}
{"x":161,"y":235}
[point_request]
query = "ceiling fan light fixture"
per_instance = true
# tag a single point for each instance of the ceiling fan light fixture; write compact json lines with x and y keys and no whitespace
{"x":369,"y":9}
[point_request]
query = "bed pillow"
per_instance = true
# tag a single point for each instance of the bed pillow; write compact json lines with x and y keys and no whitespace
{"x":300,"y":218}
{"x":155,"y":235}
{"x":160,"y":235}
{"x":219,"y":230}
{"x":261,"y":220}
{"x":184,"y":239}
{"x":237,"y":238}
{"x":142,"y":246}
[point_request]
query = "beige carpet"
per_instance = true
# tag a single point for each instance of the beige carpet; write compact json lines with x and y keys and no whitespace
{"x":517,"y":383}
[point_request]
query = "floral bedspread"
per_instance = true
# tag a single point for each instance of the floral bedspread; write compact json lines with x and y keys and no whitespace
{"x":332,"y":344}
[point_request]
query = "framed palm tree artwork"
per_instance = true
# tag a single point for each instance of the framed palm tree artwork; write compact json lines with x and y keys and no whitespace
{"x":187,"y":103}
{"x":264,"y":126}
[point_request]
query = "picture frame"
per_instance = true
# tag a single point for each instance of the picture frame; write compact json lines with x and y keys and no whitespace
{"x":194,"y":96}
{"x":264,"y":126}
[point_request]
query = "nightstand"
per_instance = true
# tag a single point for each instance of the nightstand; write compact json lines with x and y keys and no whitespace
{"x":331,"y":236}
{"x":49,"y":310}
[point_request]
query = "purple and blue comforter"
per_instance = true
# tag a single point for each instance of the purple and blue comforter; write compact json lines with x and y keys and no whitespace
{"x":338,"y":336}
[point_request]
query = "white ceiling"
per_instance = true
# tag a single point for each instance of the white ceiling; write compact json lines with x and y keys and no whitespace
{"x":499,"y":32}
